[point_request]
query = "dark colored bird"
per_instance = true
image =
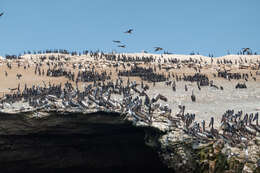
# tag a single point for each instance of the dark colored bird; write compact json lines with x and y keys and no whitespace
{"x":211,"y":124}
{"x":129,"y":31}
{"x":245,"y":120}
{"x":203,"y":126}
{"x":122,"y":46}
{"x":116,"y":41}
{"x":1,"y":14}
{"x":193,"y":97}
{"x":246,"y":50}
{"x":256,"y":118}
{"x":157,"y":49}
{"x":18,"y":76}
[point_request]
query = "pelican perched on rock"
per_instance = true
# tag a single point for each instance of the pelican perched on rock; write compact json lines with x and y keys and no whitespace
{"x":211,"y":123}
{"x":182,"y":110}
{"x":157,"y":97}
{"x":203,"y":124}
{"x":213,"y":131}
{"x":245,"y":120}
{"x":256,"y":118}
{"x":193,"y":97}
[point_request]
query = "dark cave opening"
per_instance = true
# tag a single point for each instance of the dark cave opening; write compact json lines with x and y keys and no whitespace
{"x":99,"y":143}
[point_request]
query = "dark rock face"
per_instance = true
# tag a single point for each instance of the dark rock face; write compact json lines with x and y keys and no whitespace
{"x":74,"y":143}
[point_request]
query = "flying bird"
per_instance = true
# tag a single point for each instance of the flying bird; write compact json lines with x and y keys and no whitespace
{"x":116,"y":41}
{"x":122,"y":46}
{"x":1,"y":14}
{"x":129,"y":31}
{"x":157,"y":49}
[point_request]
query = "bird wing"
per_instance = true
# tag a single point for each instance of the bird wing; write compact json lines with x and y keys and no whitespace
{"x":157,"y":49}
{"x":129,"y":31}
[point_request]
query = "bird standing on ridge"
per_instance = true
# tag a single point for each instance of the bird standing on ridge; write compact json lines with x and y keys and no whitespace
{"x":246,"y":50}
{"x":193,"y":97}
{"x":211,"y":124}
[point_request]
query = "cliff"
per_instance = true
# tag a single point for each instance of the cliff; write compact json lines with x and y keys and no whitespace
{"x":98,"y":142}
{"x":104,"y":142}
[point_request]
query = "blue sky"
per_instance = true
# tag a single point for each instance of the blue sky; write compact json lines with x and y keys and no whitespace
{"x":179,"y":26}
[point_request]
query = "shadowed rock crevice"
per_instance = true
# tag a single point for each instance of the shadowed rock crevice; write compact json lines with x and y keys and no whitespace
{"x":79,"y":143}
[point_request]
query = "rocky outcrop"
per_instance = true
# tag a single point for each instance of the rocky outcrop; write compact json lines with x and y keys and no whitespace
{"x":98,"y":142}
{"x":183,"y":153}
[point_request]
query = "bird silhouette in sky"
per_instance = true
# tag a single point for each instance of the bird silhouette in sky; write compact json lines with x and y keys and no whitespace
{"x":129,"y":31}
{"x":157,"y":49}
{"x":1,"y":14}
{"x":122,"y":46}
{"x":116,"y":41}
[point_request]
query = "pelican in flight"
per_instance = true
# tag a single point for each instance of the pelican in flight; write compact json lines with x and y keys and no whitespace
{"x":116,"y":41}
{"x":122,"y":46}
{"x":157,"y":49}
{"x":129,"y":31}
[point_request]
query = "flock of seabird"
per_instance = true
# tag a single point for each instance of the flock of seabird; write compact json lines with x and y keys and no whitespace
{"x":236,"y":128}
{"x":103,"y":90}
{"x":121,"y":45}
{"x":152,"y":74}
{"x":130,"y":31}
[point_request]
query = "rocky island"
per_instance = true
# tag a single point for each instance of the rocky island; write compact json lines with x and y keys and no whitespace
{"x":185,"y":113}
